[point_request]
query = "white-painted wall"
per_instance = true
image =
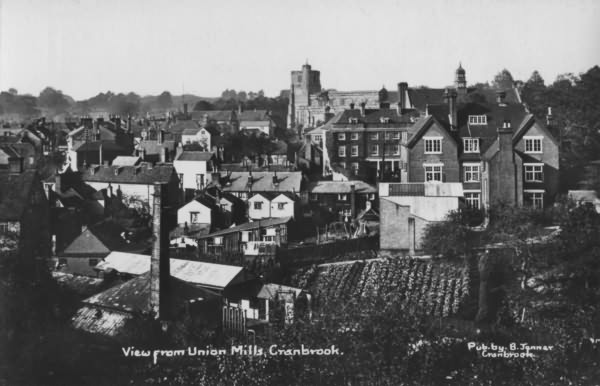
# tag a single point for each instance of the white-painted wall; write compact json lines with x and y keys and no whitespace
{"x":184,"y":213}
{"x":190,"y":169}
{"x":263,"y":212}
{"x":288,"y":206}
{"x":201,"y":137}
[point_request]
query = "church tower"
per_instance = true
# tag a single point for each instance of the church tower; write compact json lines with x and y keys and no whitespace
{"x":460,"y":80}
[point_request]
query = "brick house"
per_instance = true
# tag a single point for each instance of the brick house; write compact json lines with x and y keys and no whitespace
{"x":24,"y":214}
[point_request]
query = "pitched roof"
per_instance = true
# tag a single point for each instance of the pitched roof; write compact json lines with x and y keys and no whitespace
{"x":340,"y":187}
{"x":262,"y":182}
{"x":194,"y":272}
{"x":100,"y":239}
{"x":153,"y":147}
{"x":107,"y":145}
{"x":82,"y":285}
{"x":124,"y":160}
{"x":254,"y":115}
{"x":142,"y":174}
{"x":269,"y":222}
{"x":195,"y":156}
{"x":180,"y":127}
{"x":421,"y":97}
{"x":14,"y":194}
{"x":214,"y":115}
{"x":191,"y":131}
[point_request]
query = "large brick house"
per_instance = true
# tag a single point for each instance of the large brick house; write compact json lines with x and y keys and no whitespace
{"x":499,"y":151}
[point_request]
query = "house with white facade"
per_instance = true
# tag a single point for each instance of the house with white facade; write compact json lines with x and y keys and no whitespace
{"x":194,"y":169}
{"x":270,"y":205}
{"x":199,"y":135}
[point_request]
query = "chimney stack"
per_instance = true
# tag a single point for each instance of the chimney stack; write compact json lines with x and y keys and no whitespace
{"x":185,"y":109}
{"x":362,"y":109}
{"x":163,"y":155}
{"x":353,"y":200}
{"x":402,"y":90}
{"x":450,"y":96}
{"x":506,"y":164}
{"x":549,"y":117}
{"x":160,"y":270}
{"x":352,"y":106}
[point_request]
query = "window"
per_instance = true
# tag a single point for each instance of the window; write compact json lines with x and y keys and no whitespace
{"x":3,"y":227}
{"x":471,"y":172}
{"x":374,"y":136}
{"x":354,"y":136}
{"x":342,"y":151}
{"x":396,"y":135}
{"x":194,"y":217}
{"x":404,"y":136}
{"x":433,"y":145}
{"x":180,"y":180}
{"x":354,"y":152}
{"x":533,"y":144}
{"x":93,"y":262}
{"x":374,"y":150}
{"x":313,"y":197}
{"x":199,"y":181}
{"x":396,"y":149}
{"x":343,"y":165}
{"x":477,"y":120}
{"x":353,"y":120}
{"x":342,"y":197}
{"x":371,"y":196}
{"x":433,"y":172}
{"x":534,"y":172}
{"x":354,"y":167}
{"x":317,"y":138}
{"x":258,"y":205}
{"x":280,"y":205}
{"x":471,"y":145}
{"x":534,"y":199}
{"x":384,"y":119}
{"x":473,"y":200}
{"x":341,"y":136}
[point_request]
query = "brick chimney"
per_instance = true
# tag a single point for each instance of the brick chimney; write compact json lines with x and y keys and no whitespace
{"x":500,"y":96}
{"x":353,"y":200}
{"x":549,"y":117}
{"x":402,"y":89}
{"x":160,"y":269}
{"x":362,"y":109}
{"x":506,"y":165}
{"x":450,"y":96}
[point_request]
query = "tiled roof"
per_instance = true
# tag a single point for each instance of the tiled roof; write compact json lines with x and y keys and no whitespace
{"x":107,"y":145}
{"x":340,"y":187}
{"x":153,"y":147}
{"x":420,"y":97}
{"x":100,"y":239}
{"x":262,"y":182}
{"x":180,"y":127}
{"x":214,"y":115}
{"x":14,"y":194}
{"x":141,"y":174}
{"x":195,"y":156}
{"x":254,"y":115}
{"x":250,"y":226}
{"x":191,"y":131}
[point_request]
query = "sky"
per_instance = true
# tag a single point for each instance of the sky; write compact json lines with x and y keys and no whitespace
{"x":84,"y":47}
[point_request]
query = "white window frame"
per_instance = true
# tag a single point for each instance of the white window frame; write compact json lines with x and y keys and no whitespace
{"x":396,"y":149}
{"x":396,"y":135}
{"x":194,"y":216}
{"x":476,"y":120}
{"x":432,"y":141}
{"x":374,"y":136}
{"x":530,"y":142}
{"x":317,"y":138}
{"x":471,"y":145}
{"x":341,"y":151}
{"x":354,"y":136}
{"x":281,"y":205}
{"x":341,"y":136}
{"x":343,"y":165}
{"x":531,"y":170}
{"x":537,"y":197}
{"x":434,"y":169}
{"x":471,"y":170}
{"x":313,"y":197}
{"x":257,"y":205}
{"x":342,"y":197}
{"x":354,"y":151}
{"x":473,"y":196}
{"x":354,"y":166}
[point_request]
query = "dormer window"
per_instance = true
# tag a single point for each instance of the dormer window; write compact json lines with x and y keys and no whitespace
{"x":477,"y":119}
{"x":471,"y":145}
{"x":384,"y":119}
{"x":353,"y":120}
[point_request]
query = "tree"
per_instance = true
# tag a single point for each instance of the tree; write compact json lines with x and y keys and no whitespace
{"x":503,"y":80}
{"x":164,"y":100}
{"x":203,"y":106}
{"x":453,"y":237}
{"x":53,"y":99}
{"x":13,"y":91}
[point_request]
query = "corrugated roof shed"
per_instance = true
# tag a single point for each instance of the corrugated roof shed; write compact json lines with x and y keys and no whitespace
{"x":269,"y":222}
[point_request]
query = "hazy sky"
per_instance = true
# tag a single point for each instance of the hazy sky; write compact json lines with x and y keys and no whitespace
{"x":83,"y":47}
